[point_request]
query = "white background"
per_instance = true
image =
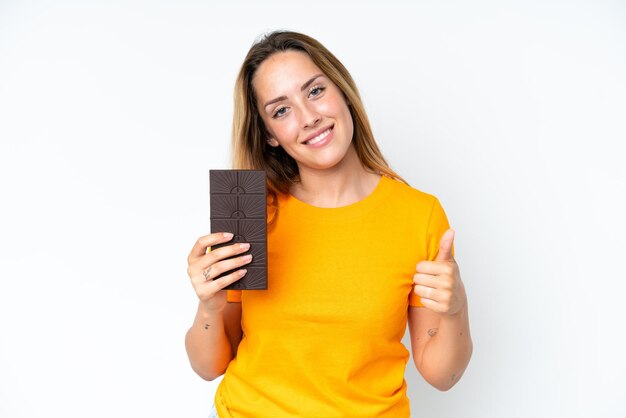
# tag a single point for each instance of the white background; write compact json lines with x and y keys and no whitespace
{"x":112,"y":113}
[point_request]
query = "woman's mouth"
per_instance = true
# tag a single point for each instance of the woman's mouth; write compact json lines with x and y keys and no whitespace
{"x":321,"y":139}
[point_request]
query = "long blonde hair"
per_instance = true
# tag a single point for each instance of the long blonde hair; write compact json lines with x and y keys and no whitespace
{"x":249,"y":141}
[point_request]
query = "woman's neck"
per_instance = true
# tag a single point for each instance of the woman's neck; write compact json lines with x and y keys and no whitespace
{"x":346,"y":183}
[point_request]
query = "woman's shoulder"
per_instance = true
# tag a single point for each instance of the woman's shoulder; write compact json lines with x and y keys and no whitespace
{"x":404,"y":192}
{"x":411,"y":206}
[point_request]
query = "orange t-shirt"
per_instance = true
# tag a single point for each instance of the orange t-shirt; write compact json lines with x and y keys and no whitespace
{"x":324,"y":340}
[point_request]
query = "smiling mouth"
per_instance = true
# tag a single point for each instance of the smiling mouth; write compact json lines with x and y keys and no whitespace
{"x":319,"y":137}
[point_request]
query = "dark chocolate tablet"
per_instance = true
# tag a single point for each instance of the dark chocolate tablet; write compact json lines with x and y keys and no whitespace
{"x":238,"y":205}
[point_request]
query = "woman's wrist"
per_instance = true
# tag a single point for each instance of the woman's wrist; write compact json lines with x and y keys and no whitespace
{"x":210,"y":313}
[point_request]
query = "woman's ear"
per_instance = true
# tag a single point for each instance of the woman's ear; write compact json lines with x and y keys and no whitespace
{"x":272,"y":142}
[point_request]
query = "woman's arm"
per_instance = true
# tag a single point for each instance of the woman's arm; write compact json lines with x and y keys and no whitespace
{"x":441,"y":345}
{"x":212,"y":340}
{"x":440,"y":334}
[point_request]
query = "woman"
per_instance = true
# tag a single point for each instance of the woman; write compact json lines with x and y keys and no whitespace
{"x":353,"y":254}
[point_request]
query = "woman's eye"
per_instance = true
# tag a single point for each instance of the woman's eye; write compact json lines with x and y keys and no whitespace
{"x":316,"y":91}
{"x":280,"y":111}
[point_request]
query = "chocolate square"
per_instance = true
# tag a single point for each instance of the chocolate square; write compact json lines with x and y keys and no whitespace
{"x":238,"y":205}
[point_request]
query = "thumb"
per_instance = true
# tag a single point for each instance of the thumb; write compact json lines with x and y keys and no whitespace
{"x":445,"y":246}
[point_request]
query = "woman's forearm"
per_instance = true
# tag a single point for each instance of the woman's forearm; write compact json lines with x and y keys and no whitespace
{"x":448,"y":352}
{"x":208,"y":347}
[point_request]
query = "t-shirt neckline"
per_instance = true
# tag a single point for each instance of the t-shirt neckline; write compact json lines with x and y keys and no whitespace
{"x":364,"y":205}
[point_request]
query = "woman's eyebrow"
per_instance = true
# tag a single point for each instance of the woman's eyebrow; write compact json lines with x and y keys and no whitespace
{"x":308,"y":83}
{"x":304,"y":86}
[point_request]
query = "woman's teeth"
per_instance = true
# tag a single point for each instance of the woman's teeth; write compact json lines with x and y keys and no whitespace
{"x":318,"y":138}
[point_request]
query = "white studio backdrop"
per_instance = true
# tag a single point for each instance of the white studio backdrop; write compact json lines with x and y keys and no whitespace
{"x":112,"y":113}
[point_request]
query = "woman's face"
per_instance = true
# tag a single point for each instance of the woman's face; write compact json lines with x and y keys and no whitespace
{"x":303,"y":110}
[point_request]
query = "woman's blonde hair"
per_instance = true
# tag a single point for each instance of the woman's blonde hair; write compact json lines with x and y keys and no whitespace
{"x":249,"y":136}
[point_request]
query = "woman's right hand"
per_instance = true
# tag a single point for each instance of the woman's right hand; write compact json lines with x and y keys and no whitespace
{"x":204,"y":266}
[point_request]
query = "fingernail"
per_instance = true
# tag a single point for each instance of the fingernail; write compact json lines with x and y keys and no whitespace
{"x":247,"y":257}
{"x":244,"y":246}
{"x":228,"y":235}
{"x":242,"y":272}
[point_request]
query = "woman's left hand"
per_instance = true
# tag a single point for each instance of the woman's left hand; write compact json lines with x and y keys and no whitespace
{"x":438,"y":283}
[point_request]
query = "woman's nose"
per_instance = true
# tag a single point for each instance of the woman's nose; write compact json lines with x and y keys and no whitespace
{"x":310,"y":116}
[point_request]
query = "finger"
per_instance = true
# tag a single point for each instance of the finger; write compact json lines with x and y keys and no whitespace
{"x":222,"y":282}
{"x":437,"y":268}
{"x":426,"y":280}
{"x":426,"y":292}
{"x":216,"y":269}
{"x":202,"y":264}
{"x":201,"y":245}
{"x":221,"y":253}
{"x":207,"y":289}
{"x":445,"y":246}
{"x":429,"y":267}
{"x":431,"y":304}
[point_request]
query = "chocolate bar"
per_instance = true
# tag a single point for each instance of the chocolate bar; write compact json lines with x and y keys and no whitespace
{"x":238,"y":205}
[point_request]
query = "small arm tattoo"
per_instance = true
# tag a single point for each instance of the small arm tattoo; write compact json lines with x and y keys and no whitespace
{"x":433,"y":331}
{"x":206,"y":326}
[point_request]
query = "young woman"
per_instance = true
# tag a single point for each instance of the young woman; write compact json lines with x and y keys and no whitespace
{"x":353,"y":254}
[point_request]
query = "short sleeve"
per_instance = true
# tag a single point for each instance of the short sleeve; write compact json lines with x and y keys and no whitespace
{"x":233,"y":296}
{"x":437,"y":225}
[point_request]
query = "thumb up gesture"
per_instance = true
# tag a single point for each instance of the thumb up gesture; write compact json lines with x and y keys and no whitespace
{"x":438,"y":282}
